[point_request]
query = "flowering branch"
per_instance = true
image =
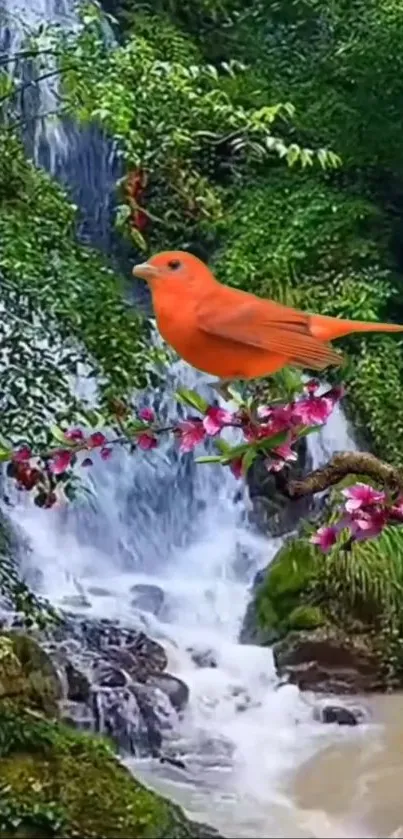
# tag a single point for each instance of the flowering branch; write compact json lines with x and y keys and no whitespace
{"x":268,"y":432}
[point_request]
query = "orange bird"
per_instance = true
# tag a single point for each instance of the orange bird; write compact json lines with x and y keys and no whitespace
{"x":232,"y":334}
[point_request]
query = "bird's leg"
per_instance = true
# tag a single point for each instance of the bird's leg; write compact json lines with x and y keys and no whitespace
{"x":221,"y":387}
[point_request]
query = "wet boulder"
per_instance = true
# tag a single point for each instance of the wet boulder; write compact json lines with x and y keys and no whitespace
{"x":338,"y":714}
{"x":147,"y":598}
{"x":176,"y":690}
{"x":327,"y":660}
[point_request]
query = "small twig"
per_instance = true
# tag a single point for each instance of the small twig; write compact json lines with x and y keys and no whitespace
{"x":32,"y":82}
{"x":339,"y":467}
{"x":9,"y":59}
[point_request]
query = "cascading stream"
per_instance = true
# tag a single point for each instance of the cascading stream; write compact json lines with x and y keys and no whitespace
{"x":158,"y":519}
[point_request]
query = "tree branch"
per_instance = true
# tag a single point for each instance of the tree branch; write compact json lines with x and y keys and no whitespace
{"x":339,"y":467}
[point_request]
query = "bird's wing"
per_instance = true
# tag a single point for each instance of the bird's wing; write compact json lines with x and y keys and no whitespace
{"x":265,"y":325}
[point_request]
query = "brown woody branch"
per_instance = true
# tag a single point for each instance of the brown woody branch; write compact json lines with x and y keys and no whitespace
{"x":339,"y":467}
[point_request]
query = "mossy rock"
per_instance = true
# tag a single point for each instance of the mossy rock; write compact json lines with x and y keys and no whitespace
{"x":27,"y":674}
{"x":59,"y":783}
{"x":306,"y":617}
{"x":282,"y":594}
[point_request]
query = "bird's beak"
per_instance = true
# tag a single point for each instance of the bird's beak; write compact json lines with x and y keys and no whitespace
{"x":145,"y":271}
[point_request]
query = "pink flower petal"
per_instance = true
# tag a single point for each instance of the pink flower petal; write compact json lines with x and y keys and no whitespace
{"x":105,"y":453}
{"x":96,"y":439}
{"x":60,"y":461}
{"x":312,"y":386}
{"x":23,"y":454}
{"x":367,"y":525}
{"x":286,"y":452}
{"x":236,"y":467}
{"x":191,"y":432}
{"x":362,"y":495}
{"x":147,"y":441}
{"x":216,"y":419}
{"x":314,"y":410}
{"x":274,"y":465}
{"x":147,"y":414}
{"x":75,"y":434}
{"x":325,"y":538}
{"x":396,"y":511}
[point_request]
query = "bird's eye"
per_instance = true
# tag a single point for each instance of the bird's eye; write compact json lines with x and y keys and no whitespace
{"x":174,"y":264}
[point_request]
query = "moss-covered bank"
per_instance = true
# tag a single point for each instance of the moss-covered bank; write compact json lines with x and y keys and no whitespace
{"x":335,"y":621}
{"x":55,"y":782}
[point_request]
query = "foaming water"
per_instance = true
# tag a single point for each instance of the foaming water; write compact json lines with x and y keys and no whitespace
{"x":157,"y":518}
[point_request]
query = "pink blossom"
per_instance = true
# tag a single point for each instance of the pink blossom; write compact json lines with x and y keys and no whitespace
{"x":315,"y":410}
{"x":312,"y":386}
{"x":264,"y":411}
{"x":336,"y":393}
{"x":105,"y":453}
{"x":60,"y":461}
{"x":396,"y":510}
{"x":74,"y":434}
{"x":274,"y":465}
{"x":325,"y":538}
{"x":367,"y":525}
{"x":191,"y":433}
{"x":22,"y":455}
{"x":216,"y":419}
{"x":285,"y":452}
{"x":236,"y":467}
{"x":147,"y":441}
{"x":96,"y":439}
{"x":147,"y":414}
{"x":362,"y":495}
{"x":280,"y":417}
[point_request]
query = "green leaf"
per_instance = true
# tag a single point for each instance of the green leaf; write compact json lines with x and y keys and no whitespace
{"x":273,"y":442}
{"x":209,"y":459}
{"x":236,"y":396}
{"x":248,"y":459}
{"x":190,"y":397}
{"x":137,"y":426}
{"x":222,"y":446}
{"x":5,"y":454}
{"x":310,"y":429}
{"x":236,"y":451}
{"x":60,"y":436}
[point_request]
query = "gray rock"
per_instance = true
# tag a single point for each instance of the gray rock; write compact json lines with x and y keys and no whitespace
{"x":148,"y":598}
{"x":78,"y":684}
{"x":203,"y":658}
{"x":109,"y":676}
{"x":327,"y":660}
{"x":272,"y":512}
{"x":174,"y":688}
{"x":338,"y":714}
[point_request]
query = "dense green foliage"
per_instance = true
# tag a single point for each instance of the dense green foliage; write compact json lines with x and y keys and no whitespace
{"x":62,"y":305}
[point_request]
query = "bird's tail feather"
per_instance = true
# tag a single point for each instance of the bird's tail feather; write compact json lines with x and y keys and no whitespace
{"x":327,"y":329}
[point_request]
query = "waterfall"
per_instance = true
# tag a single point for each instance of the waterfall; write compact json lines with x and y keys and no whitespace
{"x":158,"y":520}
